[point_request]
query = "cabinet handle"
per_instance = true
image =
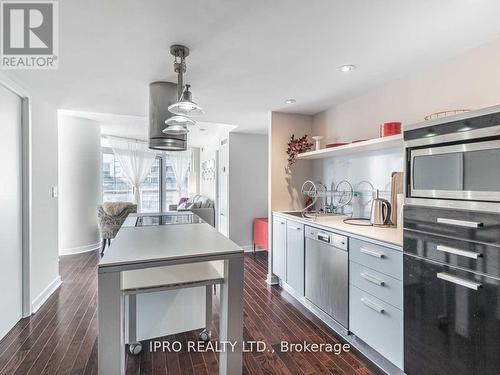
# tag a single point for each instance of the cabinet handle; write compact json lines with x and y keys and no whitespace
{"x":370,"y":252}
{"x":457,"y":280}
{"x":296,"y":228}
{"x":372,"y":305}
{"x":372,"y":279}
{"x":464,"y":253}
{"x":459,"y":223}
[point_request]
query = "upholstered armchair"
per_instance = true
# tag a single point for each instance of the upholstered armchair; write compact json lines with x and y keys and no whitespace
{"x":111,"y":216}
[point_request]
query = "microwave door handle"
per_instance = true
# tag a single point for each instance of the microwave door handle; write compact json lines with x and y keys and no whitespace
{"x":460,"y":223}
{"x":458,"y":281}
{"x":464,"y":253}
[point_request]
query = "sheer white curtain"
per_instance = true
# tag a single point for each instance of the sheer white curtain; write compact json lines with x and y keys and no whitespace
{"x":135,"y":159}
{"x":181,"y":164}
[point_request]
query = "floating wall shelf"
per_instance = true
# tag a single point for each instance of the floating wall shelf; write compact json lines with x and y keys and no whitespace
{"x":393,"y":141}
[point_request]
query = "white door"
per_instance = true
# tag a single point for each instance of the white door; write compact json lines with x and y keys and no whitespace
{"x":223,"y":182}
{"x":11,"y":210}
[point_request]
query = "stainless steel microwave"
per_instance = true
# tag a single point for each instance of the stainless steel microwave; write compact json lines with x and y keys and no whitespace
{"x":465,"y":171}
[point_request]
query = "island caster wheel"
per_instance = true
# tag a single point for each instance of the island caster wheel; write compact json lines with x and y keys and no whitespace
{"x":135,"y":348}
{"x":205,"y":335}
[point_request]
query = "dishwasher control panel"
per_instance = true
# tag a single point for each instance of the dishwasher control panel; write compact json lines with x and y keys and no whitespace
{"x":337,"y":240}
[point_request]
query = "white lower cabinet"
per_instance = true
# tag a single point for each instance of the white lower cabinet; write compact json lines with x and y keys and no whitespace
{"x":279,"y":248}
{"x":295,"y":256}
{"x":376,"y":298}
{"x":378,"y":324}
{"x":375,"y":285}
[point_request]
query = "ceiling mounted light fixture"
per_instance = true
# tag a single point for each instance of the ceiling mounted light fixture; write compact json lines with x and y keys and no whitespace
{"x":178,"y":125}
{"x":347,"y":68}
{"x":290,"y":101}
{"x":176,"y":130}
{"x":185,"y":105}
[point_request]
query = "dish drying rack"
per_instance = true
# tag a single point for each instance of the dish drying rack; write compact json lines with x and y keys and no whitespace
{"x":336,"y":198}
{"x":340,"y":196}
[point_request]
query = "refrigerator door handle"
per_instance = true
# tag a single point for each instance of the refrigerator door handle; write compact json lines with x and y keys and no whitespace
{"x":458,"y":281}
{"x":460,"y":223}
{"x":452,"y":250}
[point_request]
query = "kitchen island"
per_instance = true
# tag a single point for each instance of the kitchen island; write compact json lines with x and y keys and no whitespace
{"x":136,"y":248}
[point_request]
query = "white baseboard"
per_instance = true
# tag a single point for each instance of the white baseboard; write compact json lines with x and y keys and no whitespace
{"x":46,"y":293}
{"x":80,"y":249}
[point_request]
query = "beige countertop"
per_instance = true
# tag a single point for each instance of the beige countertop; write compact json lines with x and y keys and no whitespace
{"x":391,"y":235}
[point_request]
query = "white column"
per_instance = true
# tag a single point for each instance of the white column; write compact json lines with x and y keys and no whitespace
{"x":80,"y":169}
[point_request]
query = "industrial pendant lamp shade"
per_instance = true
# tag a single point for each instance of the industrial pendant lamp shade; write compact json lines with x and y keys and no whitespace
{"x":185,"y":106}
{"x":178,"y":125}
{"x":175,"y":129}
{"x":180,"y":120}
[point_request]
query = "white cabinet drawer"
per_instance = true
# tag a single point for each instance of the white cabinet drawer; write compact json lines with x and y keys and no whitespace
{"x":382,"y":286}
{"x":378,"y":324}
{"x":377,"y":257}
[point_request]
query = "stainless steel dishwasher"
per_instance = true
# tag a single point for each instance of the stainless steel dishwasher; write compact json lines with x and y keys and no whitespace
{"x":327,"y":264}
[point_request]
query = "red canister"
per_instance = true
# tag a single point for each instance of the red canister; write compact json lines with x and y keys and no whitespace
{"x":390,"y":128}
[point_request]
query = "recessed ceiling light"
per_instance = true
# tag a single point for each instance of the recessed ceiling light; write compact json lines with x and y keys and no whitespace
{"x":290,"y":101}
{"x":347,"y":68}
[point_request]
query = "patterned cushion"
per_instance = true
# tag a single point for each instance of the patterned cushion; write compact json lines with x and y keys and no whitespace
{"x":111,"y":216}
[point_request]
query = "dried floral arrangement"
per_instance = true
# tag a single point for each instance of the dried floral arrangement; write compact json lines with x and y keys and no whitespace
{"x":297,"y":146}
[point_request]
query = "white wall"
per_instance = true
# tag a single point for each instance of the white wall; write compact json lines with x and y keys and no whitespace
{"x":375,"y":167}
{"x":44,"y":275}
{"x":467,"y":81}
{"x":79,"y":184}
{"x":208,"y":188}
{"x":44,"y":239}
{"x":248,"y":160}
{"x":285,"y":188}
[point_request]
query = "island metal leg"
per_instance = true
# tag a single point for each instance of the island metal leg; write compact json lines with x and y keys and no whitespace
{"x":231,"y":317}
{"x":111,"y":354}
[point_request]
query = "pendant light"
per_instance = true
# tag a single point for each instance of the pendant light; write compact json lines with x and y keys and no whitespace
{"x":185,"y":106}
{"x":178,"y":125}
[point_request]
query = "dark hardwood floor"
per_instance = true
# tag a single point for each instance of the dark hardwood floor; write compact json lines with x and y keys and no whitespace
{"x":61,"y":337}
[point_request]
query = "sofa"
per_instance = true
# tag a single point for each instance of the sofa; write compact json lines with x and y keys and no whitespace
{"x":200,"y":205}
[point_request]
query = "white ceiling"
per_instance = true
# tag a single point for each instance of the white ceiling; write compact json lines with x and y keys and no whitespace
{"x":248,"y":56}
{"x":204,"y":134}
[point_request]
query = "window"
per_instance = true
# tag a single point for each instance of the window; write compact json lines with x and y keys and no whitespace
{"x":171,"y":194}
{"x":150,"y":189}
{"x":116,"y":187}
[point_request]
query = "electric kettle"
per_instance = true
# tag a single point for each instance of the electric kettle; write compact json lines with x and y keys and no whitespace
{"x":381,"y":212}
